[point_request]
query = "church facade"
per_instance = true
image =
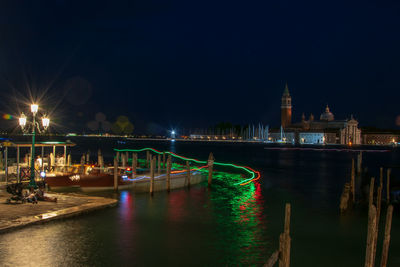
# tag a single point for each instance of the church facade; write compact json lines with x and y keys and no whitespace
{"x":326,"y":130}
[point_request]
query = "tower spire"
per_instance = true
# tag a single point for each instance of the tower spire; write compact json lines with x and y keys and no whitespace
{"x":286,"y":91}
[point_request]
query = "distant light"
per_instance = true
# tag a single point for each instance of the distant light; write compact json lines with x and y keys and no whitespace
{"x":34,"y":108}
{"x":173,"y":132}
{"x":43,"y":174}
{"x":124,"y":176}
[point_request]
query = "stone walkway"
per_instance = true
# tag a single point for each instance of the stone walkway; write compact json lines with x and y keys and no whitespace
{"x":15,"y":215}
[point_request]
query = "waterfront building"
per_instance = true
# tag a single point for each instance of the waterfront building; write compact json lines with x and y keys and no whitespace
{"x":380,"y":138}
{"x":326,"y":130}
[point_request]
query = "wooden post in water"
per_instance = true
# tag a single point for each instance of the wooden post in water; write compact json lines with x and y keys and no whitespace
{"x":169,"y":165}
{"x":388,"y":186}
{"x":159,"y":164}
{"x":134,"y":164}
{"x":163,"y":160}
{"x":148,"y":159}
{"x":152,"y":169}
{"x":124,"y":160}
{"x":371,"y":192}
{"x":386,"y":240}
{"x":353,"y":181}
{"x":359,"y":163}
{"x":371,"y":242}
{"x":285,"y":240}
{"x":188,"y":173}
{"x":116,"y":173}
{"x":210,"y":168}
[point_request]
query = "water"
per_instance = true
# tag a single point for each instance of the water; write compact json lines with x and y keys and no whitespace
{"x":222,"y":227}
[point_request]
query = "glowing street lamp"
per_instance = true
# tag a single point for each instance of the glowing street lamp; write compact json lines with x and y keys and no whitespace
{"x":34,"y":125}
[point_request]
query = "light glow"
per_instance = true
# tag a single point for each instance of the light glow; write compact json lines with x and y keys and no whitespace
{"x":45,"y":122}
{"x":254,"y":175}
{"x":22,"y":120}
{"x":34,"y":108}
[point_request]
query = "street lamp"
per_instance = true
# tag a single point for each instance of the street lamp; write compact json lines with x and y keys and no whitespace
{"x":34,"y":126}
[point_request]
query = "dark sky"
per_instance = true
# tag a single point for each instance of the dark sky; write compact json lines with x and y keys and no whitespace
{"x":195,"y":63}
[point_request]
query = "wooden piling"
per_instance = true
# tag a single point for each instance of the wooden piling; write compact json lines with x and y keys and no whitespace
{"x":359,"y":163}
{"x":345,"y":199}
{"x":159,"y":164}
{"x":116,"y":173}
{"x":163,"y":160}
{"x":378,"y":205}
{"x":371,"y":192}
{"x":371,"y":235}
{"x":353,"y":183}
{"x":210,"y":168}
{"x":152,"y":170}
{"x":381,"y":176}
{"x":169,"y":165}
{"x":388,"y":186}
{"x":134,"y":164}
{"x":386,"y":240}
{"x":188,"y":173}
{"x":148,"y":159}
{"x":285,"y":240}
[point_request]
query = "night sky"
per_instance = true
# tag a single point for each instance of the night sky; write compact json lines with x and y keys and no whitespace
{"x":192,"y":64}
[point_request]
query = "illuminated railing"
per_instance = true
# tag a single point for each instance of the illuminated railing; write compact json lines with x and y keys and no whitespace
{"x":254,"y":175}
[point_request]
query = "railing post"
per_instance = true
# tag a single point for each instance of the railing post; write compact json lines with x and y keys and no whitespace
{"x":169,"y":163}
{"x":116,"y":173}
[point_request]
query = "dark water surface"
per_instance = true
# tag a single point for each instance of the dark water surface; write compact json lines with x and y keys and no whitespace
{"x":221,"y":227}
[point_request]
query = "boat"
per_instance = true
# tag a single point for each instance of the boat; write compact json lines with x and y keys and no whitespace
{"x":87,"y":176}
{"x":91,"y":178}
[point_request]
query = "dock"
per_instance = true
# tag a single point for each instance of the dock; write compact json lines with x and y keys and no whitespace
{"x":17,"y":215}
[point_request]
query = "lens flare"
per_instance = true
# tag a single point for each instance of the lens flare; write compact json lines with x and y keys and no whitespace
{"x":7,"y":117}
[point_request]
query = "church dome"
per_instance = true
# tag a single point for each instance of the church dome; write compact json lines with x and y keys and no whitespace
{"x":327,"y":115}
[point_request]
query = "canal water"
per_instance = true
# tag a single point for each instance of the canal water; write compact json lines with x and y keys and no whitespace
{"x":228,"y":225}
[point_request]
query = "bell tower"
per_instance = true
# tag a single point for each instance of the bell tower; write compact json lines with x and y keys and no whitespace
{"x":286,"y":108}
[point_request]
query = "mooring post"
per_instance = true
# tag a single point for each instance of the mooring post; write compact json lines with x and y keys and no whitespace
{"x":353,"y":181}
{"x":359,"y":163}
{"x":159,"y":164}
{"x":88,"y":157}
{"x":371,"y":192}
{"x":388,"y":186}
{"x":188,"y":172}
{"x":134,"y":164}
{"x":116,"y":173}
{"x":169,"y":165}
{"x":69,"y":160}
{"x":148,"y":159}
{"x":285,"y":240}
{"x":386,"y":240}
{"x":152,"y":169}
{"x":210,"y":168}
{"x":378,"y":205}
{"x":118,"y":157}
{"x":163,"y":160}
{"x":369,"y":254}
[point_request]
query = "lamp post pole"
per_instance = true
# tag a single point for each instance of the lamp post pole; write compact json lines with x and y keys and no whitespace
{"x":32,"y":182}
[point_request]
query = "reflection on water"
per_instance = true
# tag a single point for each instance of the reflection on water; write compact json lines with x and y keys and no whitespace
{"x":228,"y":225}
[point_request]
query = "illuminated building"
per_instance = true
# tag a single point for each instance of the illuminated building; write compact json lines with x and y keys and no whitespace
{"x":286,"y":108}
{"x":326,"y":130}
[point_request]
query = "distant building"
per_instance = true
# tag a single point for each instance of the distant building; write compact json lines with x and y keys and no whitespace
{"x":326,"y":130}
{"x":380,"y":138}
{"x":286,"y":108}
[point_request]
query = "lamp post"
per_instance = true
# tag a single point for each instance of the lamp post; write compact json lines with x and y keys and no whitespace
{"x":35,"y":125}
